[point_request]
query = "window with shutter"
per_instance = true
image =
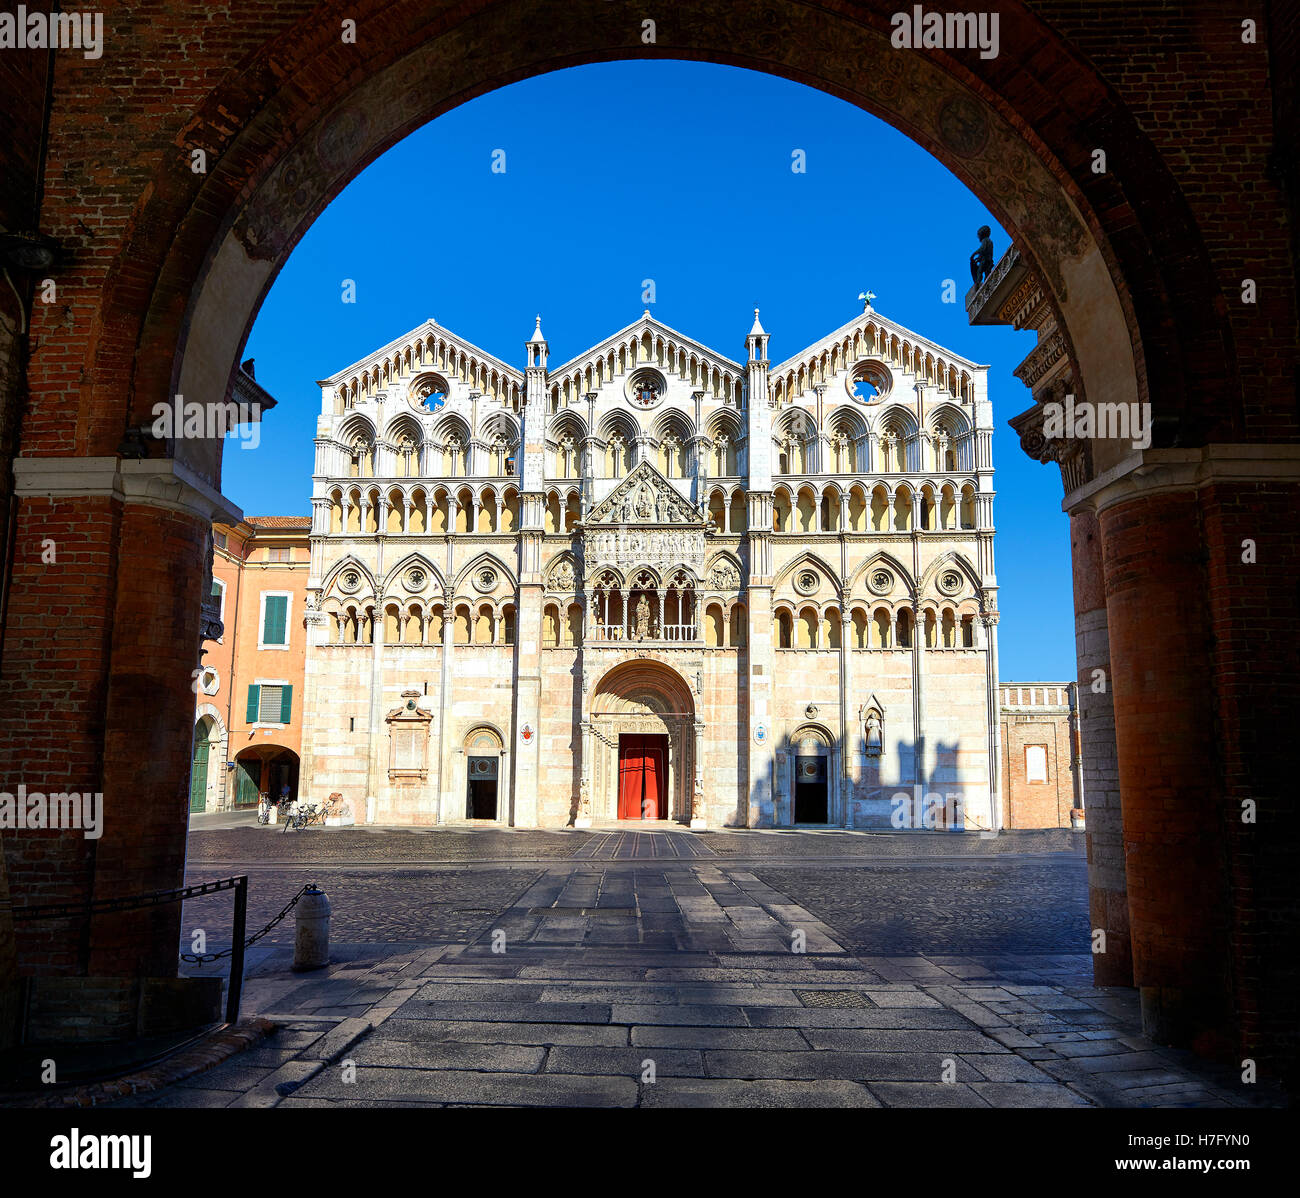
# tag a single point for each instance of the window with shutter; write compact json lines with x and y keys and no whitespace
{"x":274,"y":619}
{"x":271,"y":704}
{"x":254,"y":693}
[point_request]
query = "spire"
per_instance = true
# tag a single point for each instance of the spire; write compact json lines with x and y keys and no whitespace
{"x":537,"y":338}
{"x":757,"y":330}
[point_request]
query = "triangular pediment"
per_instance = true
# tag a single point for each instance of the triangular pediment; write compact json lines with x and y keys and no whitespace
{"x":645,"y":497}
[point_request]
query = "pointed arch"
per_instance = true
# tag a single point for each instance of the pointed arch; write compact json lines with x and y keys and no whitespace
{"x":430,"y":592}
{"x":857,"y":584}
{"x":950,"y":559}
{"x":803,"y":561}
{"x":463,"y":587}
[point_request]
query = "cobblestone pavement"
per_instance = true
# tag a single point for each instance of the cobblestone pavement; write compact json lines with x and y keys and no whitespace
{"x":636,"y":974}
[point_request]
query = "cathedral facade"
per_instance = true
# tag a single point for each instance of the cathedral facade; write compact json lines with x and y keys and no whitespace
{"x":655,"y":583}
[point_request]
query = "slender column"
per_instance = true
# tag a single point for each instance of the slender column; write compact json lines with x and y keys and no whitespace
{"x":445,"y":696}
{"x":996,"y":815}
{"x":583,"y":819}
{"x":848,"y":732}
{"x":699,"y":814}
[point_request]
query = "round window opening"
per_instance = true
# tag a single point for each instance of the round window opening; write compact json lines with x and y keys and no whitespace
{"x":881,"y":581}
{"x":485,"y":579}
{"x":416,"y":578}
{"x":950,"y":583}
{"x":350,"y":580}
{"x":646,"y":388}
{"x":429,"y":392}
{"x":869,"y":382}
{"x":806,"y":582}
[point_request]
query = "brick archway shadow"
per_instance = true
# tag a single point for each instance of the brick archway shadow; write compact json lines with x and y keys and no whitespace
{"x":163,"y":302}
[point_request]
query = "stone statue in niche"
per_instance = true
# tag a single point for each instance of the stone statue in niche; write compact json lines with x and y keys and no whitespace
{"x":981,"y":261}
{"x":644,"y":504}
{"x":643,"y":618}
{"x":873,"y":734}
{"x":663,"y":512}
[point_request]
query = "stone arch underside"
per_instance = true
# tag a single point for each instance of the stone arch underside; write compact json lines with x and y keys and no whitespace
{"x":1140,"y":304}
{"x":231,"y":240}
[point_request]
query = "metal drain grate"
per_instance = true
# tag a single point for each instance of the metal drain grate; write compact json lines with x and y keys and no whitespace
{"x":844,"y":999}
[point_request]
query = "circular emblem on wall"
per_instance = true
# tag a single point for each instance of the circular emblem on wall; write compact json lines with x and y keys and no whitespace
{"x":209,"y":680}
{"x":526,"y":734}
{"x":350,"y":580}
{"x":962,"y":126}
{"x":760,"y":733}
{"x":416,"y":577}
{"x":805,"y":582}
{"x":485,"y":578}
{"x":646,"y":388}
{"x":881,"y":582}
{"x":811,"y":711}
{"x":950,"y":582}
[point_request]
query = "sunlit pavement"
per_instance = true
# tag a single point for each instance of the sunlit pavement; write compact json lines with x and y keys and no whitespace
{"x":660,"y":968}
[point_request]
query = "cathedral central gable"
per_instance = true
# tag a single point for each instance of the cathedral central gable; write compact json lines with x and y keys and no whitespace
{"x":644,"y":497}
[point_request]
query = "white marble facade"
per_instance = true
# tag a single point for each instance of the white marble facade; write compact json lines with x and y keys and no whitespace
{"x":751,"y":594}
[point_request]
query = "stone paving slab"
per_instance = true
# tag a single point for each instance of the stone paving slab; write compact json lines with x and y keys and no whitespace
{"x":657,"y":945}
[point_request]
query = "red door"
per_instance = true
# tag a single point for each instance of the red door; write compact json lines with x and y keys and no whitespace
{"x":642,"y":775}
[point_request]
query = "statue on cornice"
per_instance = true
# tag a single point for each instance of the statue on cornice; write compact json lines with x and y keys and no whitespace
{"x":981,"y":261}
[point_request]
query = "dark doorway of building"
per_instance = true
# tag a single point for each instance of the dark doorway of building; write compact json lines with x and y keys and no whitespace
{"x":810,"y":790}
{"x":248,"y":776}
{"x":481,"y":799}
{"x":642,"y":777}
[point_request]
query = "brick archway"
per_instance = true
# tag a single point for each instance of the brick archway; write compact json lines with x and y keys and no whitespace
{"x":159,"y":290}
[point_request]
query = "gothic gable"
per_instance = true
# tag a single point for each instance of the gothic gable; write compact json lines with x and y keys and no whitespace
{"x":644,"y":497}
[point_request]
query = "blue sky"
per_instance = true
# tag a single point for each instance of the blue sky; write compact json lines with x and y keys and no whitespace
{"x":677,"y":172}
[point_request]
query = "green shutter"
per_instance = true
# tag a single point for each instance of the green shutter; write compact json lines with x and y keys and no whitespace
{"x":274,"y":620}
{"x":254,"y":693}
{"x":286,"y":704}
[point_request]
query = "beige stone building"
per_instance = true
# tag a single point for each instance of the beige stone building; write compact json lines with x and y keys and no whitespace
{"x":655,"y":582}
{"x":1042,"y":762}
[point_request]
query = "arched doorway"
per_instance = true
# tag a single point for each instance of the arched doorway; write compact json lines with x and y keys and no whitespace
{"x":486,"y":781}
{"x":204,"y":762}
{"x":812,"y":775}
{"x":265,"y":770}
{"x":641,"y":744}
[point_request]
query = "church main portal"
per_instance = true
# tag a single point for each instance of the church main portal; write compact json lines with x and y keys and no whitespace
{"x":642,"y":776}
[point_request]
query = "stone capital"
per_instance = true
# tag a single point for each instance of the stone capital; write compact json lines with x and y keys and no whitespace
{"x":152,"y":482}
{"x":1152,"y":471}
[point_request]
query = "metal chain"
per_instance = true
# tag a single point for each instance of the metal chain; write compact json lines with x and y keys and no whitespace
{"x":204,"y":958}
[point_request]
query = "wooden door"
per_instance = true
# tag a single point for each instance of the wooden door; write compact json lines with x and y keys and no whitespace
{"x":199,"y":775}
{"x":642,"y":777}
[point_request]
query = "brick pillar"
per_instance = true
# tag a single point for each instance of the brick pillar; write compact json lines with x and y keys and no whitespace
{"x":1107,"y":887}
{"x":148,"y":729}
{"x":1162,"y":669}
{"x":103,"y":703}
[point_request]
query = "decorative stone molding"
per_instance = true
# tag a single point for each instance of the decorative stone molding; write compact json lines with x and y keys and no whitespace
{"x":1151,"y":471}
{"x":153,"y":482}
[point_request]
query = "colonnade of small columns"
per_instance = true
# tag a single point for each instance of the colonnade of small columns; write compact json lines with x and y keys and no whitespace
{"x":886,"y":507}
{"x":482,"y":622}
{"x":889,"y":448}
{"x":811,"y":626}
{"x":791,"y":380}
{"x":573,"y":382}
{"x":494,"y":379}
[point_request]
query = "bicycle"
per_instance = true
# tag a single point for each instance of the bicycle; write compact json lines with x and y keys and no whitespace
{"x":303,"y":815}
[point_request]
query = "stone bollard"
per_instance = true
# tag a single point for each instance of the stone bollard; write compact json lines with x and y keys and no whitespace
{"x":311,"y":938}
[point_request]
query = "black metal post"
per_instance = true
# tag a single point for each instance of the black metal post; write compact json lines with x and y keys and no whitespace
{"x":237,"y":950}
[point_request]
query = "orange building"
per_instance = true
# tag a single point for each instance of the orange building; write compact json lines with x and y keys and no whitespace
{"x":248,"y":710}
